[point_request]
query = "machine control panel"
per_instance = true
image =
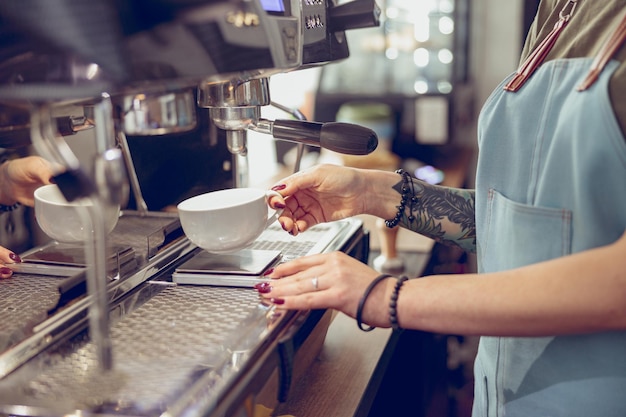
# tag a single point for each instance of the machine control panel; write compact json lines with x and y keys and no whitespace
{"x":174,"y":44}
{"x":325,"y":23}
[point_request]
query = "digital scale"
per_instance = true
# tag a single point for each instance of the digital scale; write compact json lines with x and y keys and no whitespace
{"x":245,"y":268}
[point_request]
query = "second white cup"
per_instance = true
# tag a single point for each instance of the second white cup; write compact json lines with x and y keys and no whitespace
{"x":62,"y":220}
{"x":227,"y":220}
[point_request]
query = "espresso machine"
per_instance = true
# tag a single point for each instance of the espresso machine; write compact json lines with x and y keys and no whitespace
{"x":111,"y":331}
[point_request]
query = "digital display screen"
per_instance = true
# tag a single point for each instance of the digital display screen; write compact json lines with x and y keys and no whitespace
{"x":275,"y":6}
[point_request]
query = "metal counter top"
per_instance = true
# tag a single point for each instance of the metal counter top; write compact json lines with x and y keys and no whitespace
{"x":178,"y":350}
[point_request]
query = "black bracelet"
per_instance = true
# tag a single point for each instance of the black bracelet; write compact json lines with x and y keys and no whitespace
{"x":406,"y":180}
{"x":368,"y":290}
{"x":393,"y":304}
{"x":4,"y":209}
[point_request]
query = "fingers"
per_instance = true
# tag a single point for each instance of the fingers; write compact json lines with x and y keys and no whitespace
{"x":22,"y":176}
{"x":288,"y":219}
{"x":296,"y":284}
{"x":302,"y":293}
{"x":276,"y":201}
{"x":300,"y":212}
{"x":7,"y":257}
{"x":39,"y":168}
{"x":300,"y":199}
{"x":330,"y":280}
{"x":5,"y":272}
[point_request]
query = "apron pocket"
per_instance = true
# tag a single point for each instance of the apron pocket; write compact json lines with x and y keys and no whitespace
{"x":520,"y":234}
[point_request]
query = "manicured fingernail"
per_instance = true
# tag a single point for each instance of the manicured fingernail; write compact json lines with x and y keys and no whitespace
{"x":5,"y":271}
{"x":264,"y":289}
{"x":14,"y":257}
{"x":283,"y":226}
{"x":279,"y":205}
{"x":279,"y":187}
{"x":269,"y":271}
{"x":277,"y":300}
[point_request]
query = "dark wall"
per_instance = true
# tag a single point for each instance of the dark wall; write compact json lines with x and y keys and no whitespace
{"x":530,"y":9}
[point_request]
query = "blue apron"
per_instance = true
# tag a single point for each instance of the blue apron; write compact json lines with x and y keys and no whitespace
{"x":551,"y":181}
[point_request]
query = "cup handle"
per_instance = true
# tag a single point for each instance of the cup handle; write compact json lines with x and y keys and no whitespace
{"x":272,"y":214}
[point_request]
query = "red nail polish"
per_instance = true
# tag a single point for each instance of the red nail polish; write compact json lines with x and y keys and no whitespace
{"x":5,"y":271}
{"x":283,"y":226}
{"x":279,"y":205}
{"x":279,"y":187}
{"x":277,"y":301}
{"x":15,"y":257}
{"x":264,"y":289}
{"x":269,"y":271}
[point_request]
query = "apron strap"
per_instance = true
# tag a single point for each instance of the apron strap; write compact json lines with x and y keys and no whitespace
{"x":610,"y":47}
{"x":536,"y":58}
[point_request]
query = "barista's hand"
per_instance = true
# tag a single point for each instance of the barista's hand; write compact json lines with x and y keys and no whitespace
{"x":321,"y":194}
{"x":19,"y":178}
{"x":7,"y":257}
{"x":341,"y":281}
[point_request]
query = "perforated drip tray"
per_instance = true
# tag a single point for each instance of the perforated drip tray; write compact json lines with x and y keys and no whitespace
{"x":178,"y":337}
{"x":53,"y":278}
{"x":178,"y":350}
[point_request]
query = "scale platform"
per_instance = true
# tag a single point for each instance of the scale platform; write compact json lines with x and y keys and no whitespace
{"x":61,"y":259}
{"x":245,"y":268}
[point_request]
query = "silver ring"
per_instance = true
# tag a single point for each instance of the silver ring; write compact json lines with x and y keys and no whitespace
{"x":315,"y":282}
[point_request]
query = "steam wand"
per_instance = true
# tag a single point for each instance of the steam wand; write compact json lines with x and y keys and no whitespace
{"x":140,"y":202}
{"x":300,"y":116}
{"x":75,"y":184}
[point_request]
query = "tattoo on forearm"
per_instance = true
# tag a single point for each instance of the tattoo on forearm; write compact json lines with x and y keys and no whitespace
{"x":442,"y":213}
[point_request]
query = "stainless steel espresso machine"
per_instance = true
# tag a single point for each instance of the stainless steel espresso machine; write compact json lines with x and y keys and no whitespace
{"x":105,"y":328}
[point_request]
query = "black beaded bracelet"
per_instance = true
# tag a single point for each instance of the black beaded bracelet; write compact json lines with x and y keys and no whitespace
{"x":5,"y":209}
{"x":404,"y":198}
{"x":368,"y":290}
{"x":393,"y":304}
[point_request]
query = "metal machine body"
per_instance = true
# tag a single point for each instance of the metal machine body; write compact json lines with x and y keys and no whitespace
{"x":143,"y":67}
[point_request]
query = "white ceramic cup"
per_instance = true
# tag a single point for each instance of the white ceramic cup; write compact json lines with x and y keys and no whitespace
{"x":61,"y":220}
{"x":227,"y":220}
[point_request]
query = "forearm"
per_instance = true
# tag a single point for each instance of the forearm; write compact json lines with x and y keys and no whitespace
{"x":581,"y":293}
{"x":441,"y":213}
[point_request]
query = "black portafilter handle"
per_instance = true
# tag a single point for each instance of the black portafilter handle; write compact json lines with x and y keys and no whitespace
{"x":344,"y":138}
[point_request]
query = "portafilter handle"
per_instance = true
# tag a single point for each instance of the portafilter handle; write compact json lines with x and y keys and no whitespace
{"x":344,"y":138}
